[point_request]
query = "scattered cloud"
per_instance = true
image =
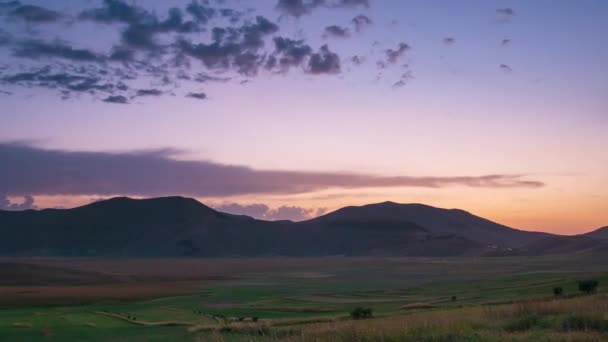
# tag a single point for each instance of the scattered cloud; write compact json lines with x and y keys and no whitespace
{"x":357,"y":60}
{"x":116,"y":99}
{"x":149,"y":92}
{"x":361,"y":22}
{"x":324,"y":62}
{"x":35,"y":171}
{"x":505,"y":42}
{"x":505,"y":14}
{"x":65,"y":78}
{"x":505,"y":11}
{"x":35,"y":14}
{"x":36,"y":49}
{"x":351,"y":3}
{"x":233,"y":48}
{"x":288,"y":53}
{"x":393,"y":56}
{"x":198,"y":96}
{"x":298,"y":8}
{"x":6,"y":204}
{"x":449,"y":40}
{"x":337,"y":31}
{"x":264,"y":212}
{"x":158,"y":52}
{"x":506,"y":68}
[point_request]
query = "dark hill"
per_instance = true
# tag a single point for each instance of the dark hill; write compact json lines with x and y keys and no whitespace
{"x":177,"y":226}
{"x":601,"y":233}
{"x":437,"y":221}
{"x":564,"y":245}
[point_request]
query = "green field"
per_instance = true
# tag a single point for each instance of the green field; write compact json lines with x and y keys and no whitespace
{"x":306,"y":299}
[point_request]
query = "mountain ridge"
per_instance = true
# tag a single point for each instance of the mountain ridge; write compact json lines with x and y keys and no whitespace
{"x":181,"y":226}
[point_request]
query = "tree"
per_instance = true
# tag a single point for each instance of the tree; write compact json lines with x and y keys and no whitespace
{"x":360,"y":312}
{"x":557,"y":291}
{"x":588,"y":286}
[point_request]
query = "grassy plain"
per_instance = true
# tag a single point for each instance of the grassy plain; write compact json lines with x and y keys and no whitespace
{"x":307,"y":299}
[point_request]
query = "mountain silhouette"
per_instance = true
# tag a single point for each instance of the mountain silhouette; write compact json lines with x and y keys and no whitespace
{"x":178,"y":226}
{"x":601,"y":233}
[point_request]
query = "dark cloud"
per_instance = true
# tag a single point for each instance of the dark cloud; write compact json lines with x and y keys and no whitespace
{"x":298,"y":8}
{"x":149,"y":92}
{"x":116,"y":99}
{"x":198,"y":96}
{"x":118,"y":11}
{"x":63,"y":79}
{"x":393,"y":56}
{"x":506,"y":68}
{"x":505,"y":11}
{"x":505,"y":42}
{"x":505,"y":14}
{"x":357,"y":60}
{"x":202,"y":77}
{"x":324,"y":62}
{"x":36,"y":49}
{"x":403,"y":80}
{"x":337,"y":31}
{"x":160,"y":51}
{"x":36,"y":14}
{"x":233,"y":48}
{"x":288,"y":53}
{"x":449,"y":40}
{"x":142,"y":25}
{"x":31,"y":170}
{"x":398,"y":84}
{"x":6,"y":204}
{"x":202,"y":13}
{"x":351,"y":3}
{"x":361,"y":22}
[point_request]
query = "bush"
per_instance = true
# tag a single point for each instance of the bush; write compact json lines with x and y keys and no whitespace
{"x":578,"y":322}
{"x":359,"y":313}
{"x":558,"y":291}
{"x":254,"y":319}
{"x":588,"y":286}
{"x":523,"y":323}
{"x":454,"y":298}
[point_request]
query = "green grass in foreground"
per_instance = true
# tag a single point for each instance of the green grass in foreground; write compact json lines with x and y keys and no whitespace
{"x":414,"y":306}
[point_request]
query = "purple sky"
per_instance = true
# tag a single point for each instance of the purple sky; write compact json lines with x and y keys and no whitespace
{"x":285,"y":109}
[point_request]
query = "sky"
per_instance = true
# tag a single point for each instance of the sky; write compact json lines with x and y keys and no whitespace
{"x":289,"y":109}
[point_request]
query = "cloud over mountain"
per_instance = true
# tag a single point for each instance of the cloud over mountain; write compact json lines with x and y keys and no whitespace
{"x":29,"y":170}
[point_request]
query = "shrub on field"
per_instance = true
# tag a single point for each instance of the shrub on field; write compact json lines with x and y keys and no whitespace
{"x":582,"y":322}
{"x":588,"y":286}
{"x":360,"y":312}
{"x":525,"y":323}
{"x":558,"y":291}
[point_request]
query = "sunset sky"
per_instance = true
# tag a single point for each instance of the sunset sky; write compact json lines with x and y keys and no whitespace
{"x":287,"y":109}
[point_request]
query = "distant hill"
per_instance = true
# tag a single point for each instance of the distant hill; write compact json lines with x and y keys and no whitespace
{"x":564,"y":245}
{"x":177,"y":226}
{"x":436,"y":221}
{"x":601,"y":233}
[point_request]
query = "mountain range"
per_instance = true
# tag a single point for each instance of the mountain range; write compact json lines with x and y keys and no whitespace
{"x":177,"y":226}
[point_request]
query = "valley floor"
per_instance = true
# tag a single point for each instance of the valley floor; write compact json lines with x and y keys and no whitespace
{"x":309,"y":299}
